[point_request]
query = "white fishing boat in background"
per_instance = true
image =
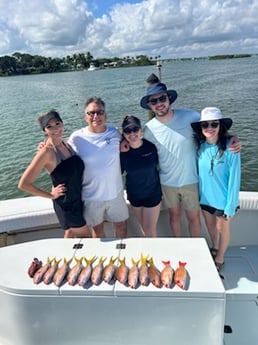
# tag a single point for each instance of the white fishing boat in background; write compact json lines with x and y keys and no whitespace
{"x":214,"y":309}
{"x":92,"y":67}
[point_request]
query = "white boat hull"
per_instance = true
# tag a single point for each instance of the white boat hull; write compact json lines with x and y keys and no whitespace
{"x":119,"y":315}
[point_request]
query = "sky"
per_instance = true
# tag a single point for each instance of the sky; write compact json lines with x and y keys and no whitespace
{"x":109,"y":28}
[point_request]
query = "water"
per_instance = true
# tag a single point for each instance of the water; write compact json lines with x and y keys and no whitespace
{"x":231,"y":85}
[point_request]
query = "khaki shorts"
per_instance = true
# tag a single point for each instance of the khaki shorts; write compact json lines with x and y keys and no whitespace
{"x":185,"y":196}
{"x":115,"y":210}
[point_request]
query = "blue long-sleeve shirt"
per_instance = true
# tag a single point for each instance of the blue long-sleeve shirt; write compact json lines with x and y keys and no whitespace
{"x":219,"y":178}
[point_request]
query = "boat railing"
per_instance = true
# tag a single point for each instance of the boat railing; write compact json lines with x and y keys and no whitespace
{"x":31,"y":218}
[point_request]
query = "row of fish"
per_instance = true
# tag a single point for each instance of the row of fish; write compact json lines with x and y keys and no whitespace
{"x":141,"y":272}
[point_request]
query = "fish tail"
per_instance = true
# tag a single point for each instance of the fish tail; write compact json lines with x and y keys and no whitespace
{"x":144,"y":259}
{"x":166,"y":263}
{"x":135,"y":262}
{"x":102,"y":259}
{"x":78,"y":260}
{"x":122,"y":261}
{"x":91,"y":260}
{"x":182,"y":264}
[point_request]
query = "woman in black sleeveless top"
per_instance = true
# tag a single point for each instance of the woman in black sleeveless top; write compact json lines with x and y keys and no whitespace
{"x":65,"y":169}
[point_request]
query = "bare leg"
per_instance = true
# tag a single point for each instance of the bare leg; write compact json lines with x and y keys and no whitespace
{"x":194,"y":223}
{"x":150,"y":220}
{"x":223,"y":227}
{"x":98,"y":231}
{"x":138,"y":212}
{"x":175,"y":221}
{"x":81,"y":232}
{"x":120,"y":229}
{"x":211,"y":224}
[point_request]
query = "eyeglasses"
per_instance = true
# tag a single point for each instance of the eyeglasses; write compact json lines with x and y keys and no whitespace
{"x":131,"y":130}
{"x":205,"y":125}
{"x":161,"y":99}
{"x":96,"y":112}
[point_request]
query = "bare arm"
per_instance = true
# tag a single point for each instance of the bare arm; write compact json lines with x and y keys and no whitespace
{"x":235,"y":144}
{"x":38,"y":163}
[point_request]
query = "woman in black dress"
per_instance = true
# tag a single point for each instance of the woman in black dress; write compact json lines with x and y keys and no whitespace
{"x":65,"y":169}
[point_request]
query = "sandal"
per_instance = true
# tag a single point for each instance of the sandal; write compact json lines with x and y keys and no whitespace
{"x":219,"y":265}
{"x":214,"y":252}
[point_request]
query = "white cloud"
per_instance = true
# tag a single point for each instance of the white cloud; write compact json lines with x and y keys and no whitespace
{"x":170,"y":28}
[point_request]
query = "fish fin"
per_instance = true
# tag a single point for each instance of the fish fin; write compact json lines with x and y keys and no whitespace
{"x":135,"y":262}
{"x":144,"y":258}
{"x":91,"y":260}
{"x":102,"y":259}
{"x":78,"y":260}
{"x":122,"y":261}
{"x":182,"y":264}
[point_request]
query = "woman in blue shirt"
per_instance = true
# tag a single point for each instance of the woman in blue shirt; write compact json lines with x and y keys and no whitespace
{"x":219,"y":178}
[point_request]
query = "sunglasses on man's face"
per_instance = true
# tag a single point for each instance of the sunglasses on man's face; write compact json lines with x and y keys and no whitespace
{"x":161,"y":99}
{"x":131,"y":130}
{"x":206,"y":125}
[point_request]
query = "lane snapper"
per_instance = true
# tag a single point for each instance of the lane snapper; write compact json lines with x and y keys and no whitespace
{"x":143,"y":271}
{"x":154,"y":274}
{"x":180,"y":275}
{"x":48,"y":276}
{"x":61,"y":273}
{"x":85,"y":274}
{"x":109,"y":270}
{"x":96,"y":275}
{"x":38,"y":276}
{"x":166,"y":275}
{"x":121,"y":273}
{"x":74,"y":272}
{"x":133,"y":274}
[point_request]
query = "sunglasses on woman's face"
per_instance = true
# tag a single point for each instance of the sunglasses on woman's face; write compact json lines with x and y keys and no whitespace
{"x":161,"y":99}
{"x":131,"y":130}
{"x":206,"y":125}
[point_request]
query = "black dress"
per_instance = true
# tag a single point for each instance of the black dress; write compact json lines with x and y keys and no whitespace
{"x":69,"y":208}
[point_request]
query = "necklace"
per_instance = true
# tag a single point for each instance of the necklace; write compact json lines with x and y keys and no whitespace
{"x":213,"y":157}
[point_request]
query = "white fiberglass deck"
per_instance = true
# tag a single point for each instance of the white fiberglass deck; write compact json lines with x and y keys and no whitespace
{"x":111,"y":313}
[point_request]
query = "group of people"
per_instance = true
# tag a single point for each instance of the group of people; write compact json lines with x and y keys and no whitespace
{"x":178,"y":157}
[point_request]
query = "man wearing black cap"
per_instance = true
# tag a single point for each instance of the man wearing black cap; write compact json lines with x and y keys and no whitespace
{"x":171,"y":132}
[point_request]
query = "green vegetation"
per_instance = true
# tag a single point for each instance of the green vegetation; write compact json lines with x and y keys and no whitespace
{"x":218,"y":57}
{"x":20,"y":64}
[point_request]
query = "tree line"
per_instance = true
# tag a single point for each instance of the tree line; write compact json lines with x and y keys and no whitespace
{"x":22,"y":63}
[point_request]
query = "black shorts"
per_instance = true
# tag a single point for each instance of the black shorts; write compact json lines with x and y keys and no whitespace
{"x":152,"y":201}
{"x":216,"y":212}
{"x":212,"y":210}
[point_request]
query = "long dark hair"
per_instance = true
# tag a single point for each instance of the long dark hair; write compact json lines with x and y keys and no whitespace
{"x":223,"y":137}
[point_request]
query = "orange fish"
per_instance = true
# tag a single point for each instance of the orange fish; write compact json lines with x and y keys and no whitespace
{"x":109,"y":270}
{"x":38,"y":276}
{"x":154,"y":274}
{"x":61,"y":273}
{"x":166,"y":275}
{"x":48,"y":276}
{"x":143,"y":271}
{"x":122,"y":270}
{"x":74,"y":272}
{"x":133,"y":274}
{"x":180,"y":275}
{"x":85,"y":274}
{"x":96,"y":275}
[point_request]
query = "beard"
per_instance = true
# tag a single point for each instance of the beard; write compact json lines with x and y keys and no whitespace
{"x":163,"y":112}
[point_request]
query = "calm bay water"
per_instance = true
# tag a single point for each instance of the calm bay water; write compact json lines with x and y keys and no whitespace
{"x":231,"y":85}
